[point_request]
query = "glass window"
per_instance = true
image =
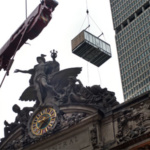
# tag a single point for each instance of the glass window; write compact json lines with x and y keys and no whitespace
{"x":97,"y":42}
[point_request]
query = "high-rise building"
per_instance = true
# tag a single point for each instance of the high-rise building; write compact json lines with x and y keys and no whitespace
{"x":131,"y":20}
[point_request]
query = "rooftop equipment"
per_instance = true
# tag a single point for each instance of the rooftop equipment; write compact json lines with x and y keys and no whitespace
{"x":91,"y":48}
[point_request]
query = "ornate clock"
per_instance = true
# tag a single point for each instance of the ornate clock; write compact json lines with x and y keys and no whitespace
{"x":44,"y":121}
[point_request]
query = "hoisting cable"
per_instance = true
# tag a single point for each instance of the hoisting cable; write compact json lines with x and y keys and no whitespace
{"x":12,"y":59}
{"x":99,"y":76}
{"x":83,"y":23}
{"x":98,"y":28}
{"x":98,"y":37}
{"x":87,"y":16}
{"x":87,"y":11}
{"x":26,"y":11}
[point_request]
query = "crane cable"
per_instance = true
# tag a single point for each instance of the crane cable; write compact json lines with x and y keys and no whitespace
{"x":87,"y":11}
{"x":98,"y":28}
{"x":89,"y":17}
{"x":26,"y":10}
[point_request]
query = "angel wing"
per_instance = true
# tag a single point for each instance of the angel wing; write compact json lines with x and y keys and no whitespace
{"x":29,"y":94}
{"x":60,"y":79}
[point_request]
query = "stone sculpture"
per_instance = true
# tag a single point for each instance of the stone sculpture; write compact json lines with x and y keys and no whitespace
{"x":133,"y":122}
{"x":21,"y":118}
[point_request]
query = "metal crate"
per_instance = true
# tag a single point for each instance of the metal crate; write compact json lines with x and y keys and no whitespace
{"x":91,"y":48}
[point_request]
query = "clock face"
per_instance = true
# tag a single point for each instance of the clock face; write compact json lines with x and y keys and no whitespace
{"x":44,"y":121}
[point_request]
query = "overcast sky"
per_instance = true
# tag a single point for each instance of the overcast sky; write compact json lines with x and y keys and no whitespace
{"x":67,"y":22}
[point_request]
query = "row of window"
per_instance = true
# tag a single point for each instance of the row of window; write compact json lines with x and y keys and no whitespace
{"x":144,"y":16}
{"x":134,"y":58}
{"x":97,"y":42}
{"x":118,"y":6}
{"x":136,"y":70}
{"x":115,"y":4}
{"x":138,"y":87}
{"x":131,"y":68}
{"x":124,"y":9}
{"x":135,"y":78}
{"x":141,"y":45}
{"x":133,"y":45}
{"x":129,"y":48}
{"x":133,"y":49}
{"x":136,"y":92}
{"x":131,"y":18}
{"x":134,"y":54}
{"x":141,"y":26}
{"x":142,"y":23}
{"x":136,"y":32}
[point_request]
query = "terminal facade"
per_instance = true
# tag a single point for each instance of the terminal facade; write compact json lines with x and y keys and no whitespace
{"x":68,"y":116}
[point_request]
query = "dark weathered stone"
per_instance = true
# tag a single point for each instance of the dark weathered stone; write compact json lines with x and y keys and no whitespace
{"x":22,"y":118}
{"x":59,"y":90}
{"x":133,"y":122}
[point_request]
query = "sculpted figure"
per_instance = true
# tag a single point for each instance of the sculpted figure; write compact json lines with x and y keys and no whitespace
{"x":22,"y":118}
{"x":73,"y":91}
{"x":22,"y":115}
{"x":38,"y":81}
{"x":144,"y":111}
{"x":38,"y":76}
{"x":8,"y":127}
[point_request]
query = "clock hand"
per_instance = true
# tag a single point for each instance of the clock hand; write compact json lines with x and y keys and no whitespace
{"x":41,"y":120}
{"x":47,"y":118}
{"x":44,"y":118}
{"x":41,"y":123}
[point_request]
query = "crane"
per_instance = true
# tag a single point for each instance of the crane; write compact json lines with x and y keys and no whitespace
{"x":29,"y":29}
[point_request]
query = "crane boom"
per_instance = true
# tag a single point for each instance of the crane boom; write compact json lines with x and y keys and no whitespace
{"x":29,"y":29}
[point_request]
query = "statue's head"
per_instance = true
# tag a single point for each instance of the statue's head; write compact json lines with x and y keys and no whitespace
{"x":41,"y":58}
{"x":16,"y":108}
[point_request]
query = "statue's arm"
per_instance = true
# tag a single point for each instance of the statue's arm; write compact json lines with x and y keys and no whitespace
{"x":30,"y":71}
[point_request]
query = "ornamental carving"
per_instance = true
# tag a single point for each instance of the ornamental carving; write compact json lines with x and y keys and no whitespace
{"x":133,"y":122}
{"x":50,"y":85}
{"x":51,"y":89}
{"x":94,"y":138}
{"x":65,"y":121}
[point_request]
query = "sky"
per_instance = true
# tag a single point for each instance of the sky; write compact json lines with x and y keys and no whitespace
{"x":68,"y":20}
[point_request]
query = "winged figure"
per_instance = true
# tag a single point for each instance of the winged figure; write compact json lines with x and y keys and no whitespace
{"x":56,"y":84}
{"x":58,"y":81}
